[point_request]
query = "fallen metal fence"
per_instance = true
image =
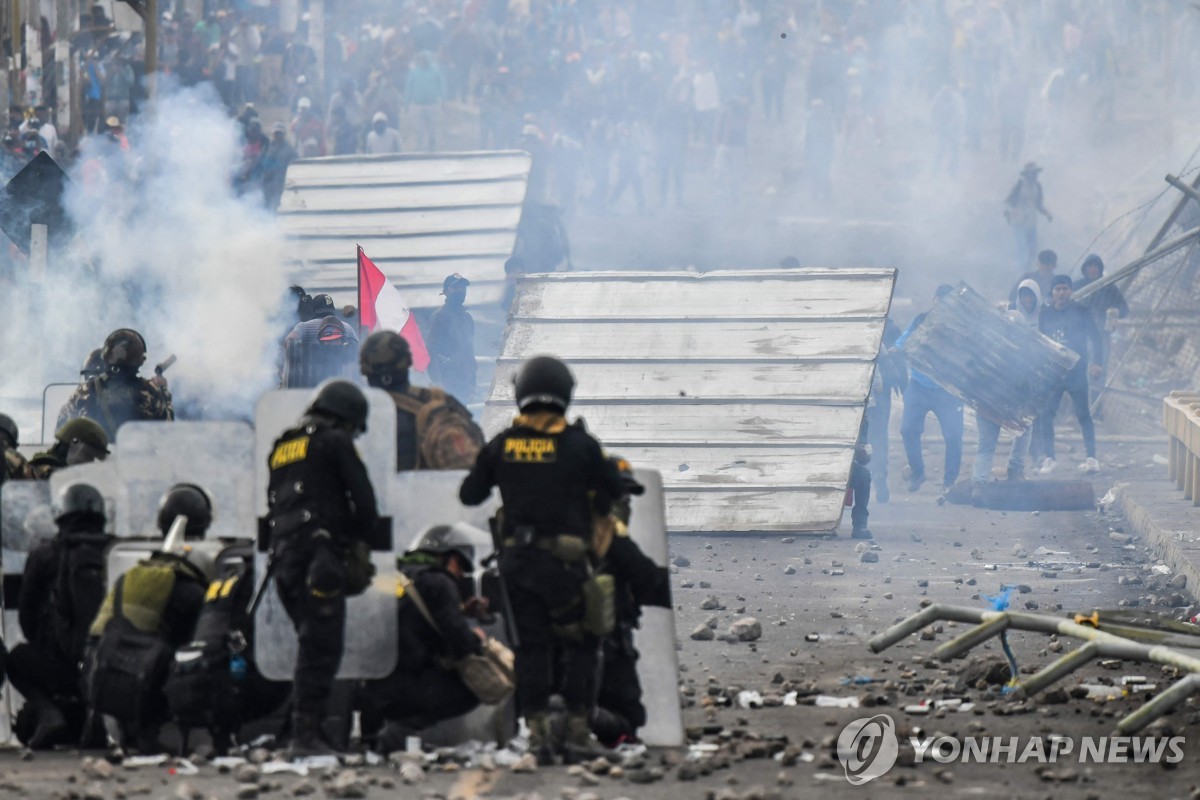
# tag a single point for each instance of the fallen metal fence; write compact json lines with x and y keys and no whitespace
{"x":1097,"y":644}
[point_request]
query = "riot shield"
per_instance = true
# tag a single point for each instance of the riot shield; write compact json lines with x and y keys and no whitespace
{"x":371,"y":635}
{"x":416,"y":501}
{"x":125,"y":554}
{"x":217,"y":456}
{"x":658,"y":666}
{"x":307,"y":364}
{"x":104,"y":476}
{"x":54,"y":397}
{"x":25,"y":519}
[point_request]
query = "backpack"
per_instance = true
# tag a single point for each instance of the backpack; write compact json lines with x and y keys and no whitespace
{"x":129,"y":667}
{"x":447,"y":437}
{"x":79,"y":590}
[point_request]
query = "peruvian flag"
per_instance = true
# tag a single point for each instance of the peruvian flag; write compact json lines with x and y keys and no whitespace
{"x":380,"y":307}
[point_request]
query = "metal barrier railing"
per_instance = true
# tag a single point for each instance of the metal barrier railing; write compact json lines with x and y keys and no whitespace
{"x":1181,"y":419}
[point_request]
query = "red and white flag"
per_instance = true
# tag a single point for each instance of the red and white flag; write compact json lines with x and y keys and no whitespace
{"x":380,"y":307}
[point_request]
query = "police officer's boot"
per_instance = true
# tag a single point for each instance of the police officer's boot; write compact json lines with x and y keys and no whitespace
{"x":541,"y":739}
{"x":51,"y":725}
{"x":580,"y":745}
{"x":307,"y":741}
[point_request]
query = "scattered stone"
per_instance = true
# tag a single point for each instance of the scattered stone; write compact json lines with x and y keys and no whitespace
{"x":1055,"y":697}
{"x":977,"y":554}
{"x":1179,"y":581}
{"x":1031,"y":605}
{"x":705,"y":585}
{"x":94,"y":791}
{"x":246,"y":773}
{"x":710,"y":603}
{"x":888,"y":595}
{"x":247,"y":791}
{"x":928,"y":634}
{"x":259,"y":755}
{"x":789,"y":570}
{"x":526,"y":764}
{"x":1120,"y":538}
{"x":703,"y":633}
{"x":922,"y":584}
{"x":681,"y":561}
{"x":348,"y":785}
{"x":185,"y":791}
{"x":869,"y":557}
{"x":1024,"y":588}
{"x":97,"y":769}
{"x":746,"y":629}
{"x":643,"y":776}
{"x":411,"y":773}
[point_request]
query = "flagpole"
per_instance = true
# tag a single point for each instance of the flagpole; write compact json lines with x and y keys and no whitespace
{"x":358,"y":289}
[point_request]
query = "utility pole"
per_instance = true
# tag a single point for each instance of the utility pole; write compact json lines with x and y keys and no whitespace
{"x":64,"y":78}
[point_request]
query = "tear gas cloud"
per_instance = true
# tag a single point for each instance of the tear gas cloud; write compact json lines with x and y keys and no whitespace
{"x":163,"y":245}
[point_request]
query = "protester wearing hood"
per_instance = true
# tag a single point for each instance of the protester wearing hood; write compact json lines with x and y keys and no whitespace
{"x":382,"y":139}
{"x":1071,"y":325}
{"x":1026,"y":313}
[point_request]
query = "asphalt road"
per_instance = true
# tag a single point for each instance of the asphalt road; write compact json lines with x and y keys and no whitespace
{"x":800,"y":587}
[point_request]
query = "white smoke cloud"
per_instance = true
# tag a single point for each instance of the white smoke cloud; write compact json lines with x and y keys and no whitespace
{"x":163,"y":245}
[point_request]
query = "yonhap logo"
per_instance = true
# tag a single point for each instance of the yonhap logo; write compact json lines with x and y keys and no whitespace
{"x":868,"y":748}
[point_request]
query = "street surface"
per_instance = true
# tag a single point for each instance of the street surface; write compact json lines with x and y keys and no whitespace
{"x":800,"y":586}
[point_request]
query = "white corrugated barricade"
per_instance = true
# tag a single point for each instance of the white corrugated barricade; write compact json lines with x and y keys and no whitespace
{"x":745,"y":389}
{"x":420,"y":217}
{"x":217,"y":456}
{"x":371,"y":639}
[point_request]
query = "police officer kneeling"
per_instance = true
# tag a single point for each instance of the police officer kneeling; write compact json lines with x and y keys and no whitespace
{"x":150,"y":613}
{"x":547,"y":471}
{"x":321,"y":510}
{"x":61,"y":591}
{"x":425,"y":688}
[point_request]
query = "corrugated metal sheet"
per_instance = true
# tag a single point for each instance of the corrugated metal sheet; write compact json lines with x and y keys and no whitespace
{"x":419,"y":217}
{"x":744,"y":389}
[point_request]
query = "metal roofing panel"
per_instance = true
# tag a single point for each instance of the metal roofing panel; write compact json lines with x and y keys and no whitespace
{"x":419,"y":217}
{"x":744,"y":389}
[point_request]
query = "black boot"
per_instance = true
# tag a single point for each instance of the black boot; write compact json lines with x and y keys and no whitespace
{"x":580,"y":745}
{"x":307,"y":741}
{"x":51,"y":726}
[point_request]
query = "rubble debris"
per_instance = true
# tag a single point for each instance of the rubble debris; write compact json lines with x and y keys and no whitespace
{"x":746,"y":629}
{"x":703,"y":633}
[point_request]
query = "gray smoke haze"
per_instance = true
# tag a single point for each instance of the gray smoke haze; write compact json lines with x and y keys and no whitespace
{"x":164,"y":246}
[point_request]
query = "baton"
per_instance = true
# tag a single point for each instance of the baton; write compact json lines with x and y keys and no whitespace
{"x":262,"y":584}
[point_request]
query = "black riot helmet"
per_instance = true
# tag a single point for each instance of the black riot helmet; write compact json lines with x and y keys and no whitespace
{"x":342,"y":400}
{"x":78,"y":499}
{"x":9,"y":429}
{"x":125,"y":348}
{"x":546,"y":381}
{"x":441,"y":539}
{"x":191,"y":501}
{"x":385,"y":359}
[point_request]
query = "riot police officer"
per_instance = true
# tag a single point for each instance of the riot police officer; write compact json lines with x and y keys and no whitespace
{"x":548,"y":472}
{"x":433,"y":429}
{"x":118,"y":395}
{"x":321,"y":510}
{"x":639,"y":582}
{"x":79,"y":441}
{"x":15,"y":467}
{"x":61,"y":591}
{"x":423,"y":690}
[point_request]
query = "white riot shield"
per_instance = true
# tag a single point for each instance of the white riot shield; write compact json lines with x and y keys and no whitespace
{"x":658,"y":666}
{"x":104,"y":476}
{"x":418,"y":500}
{"x":54,"y":397}
{"x":125,"y":554}
{"x":25,"y":519}
{"x":371,"y":634}
{"x":217,"y":456}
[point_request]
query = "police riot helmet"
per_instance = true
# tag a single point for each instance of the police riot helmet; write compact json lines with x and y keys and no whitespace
{"x":625,"y":470}
{"x":78,"y":498}
{"x":544,"y":380}
{"x":85,"y":431}
{"x":93,"y":365}
{"x":9,"y":428}
{"x":124,"y":347}
{"x":383,"y":357}
{"x":343,"y":400}
{"x":441,"y":539}
{"x":188,"y":500}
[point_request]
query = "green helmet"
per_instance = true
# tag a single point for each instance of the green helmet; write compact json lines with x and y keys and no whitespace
{"x":78,"y":498}
{"x":383,"y":357}
{"x":124,"y":347}
{"x":342,"y":400}
{"x":82,"y":429}
{"x":9,"y":429}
